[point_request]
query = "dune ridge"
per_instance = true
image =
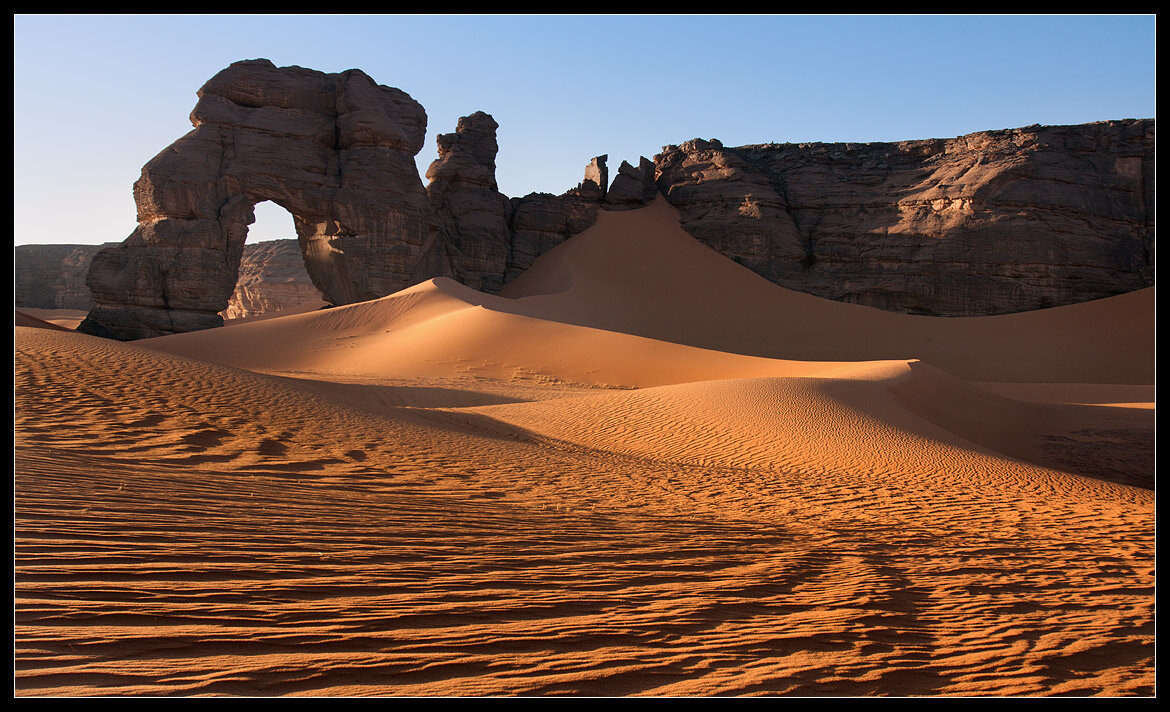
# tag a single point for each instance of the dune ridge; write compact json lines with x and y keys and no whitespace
{"x":599,"y":483}
{"x":638,"y":273}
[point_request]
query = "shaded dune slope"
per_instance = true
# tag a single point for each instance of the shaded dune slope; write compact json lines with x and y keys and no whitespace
{"x":637,"y":273}
{"x":21,"y":318}
{"x":606,"y":485}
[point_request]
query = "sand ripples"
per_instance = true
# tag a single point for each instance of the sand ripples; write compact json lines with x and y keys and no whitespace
{"x":185,"y":528}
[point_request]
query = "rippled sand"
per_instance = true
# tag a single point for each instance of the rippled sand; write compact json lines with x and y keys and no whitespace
{"x":447,"y":493}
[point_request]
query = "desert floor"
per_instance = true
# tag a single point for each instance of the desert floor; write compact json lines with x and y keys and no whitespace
{"x":642,"y":470}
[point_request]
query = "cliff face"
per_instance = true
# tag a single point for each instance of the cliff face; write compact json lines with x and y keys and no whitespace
{"x":992,"y":222}
{"x":272,"y":278}
{"x":52,"y":276}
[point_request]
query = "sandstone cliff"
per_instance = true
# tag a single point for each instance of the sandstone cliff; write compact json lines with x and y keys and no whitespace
{"x":272,"y":278}
{"x":992,"y":222}
{"x":52,"y":276}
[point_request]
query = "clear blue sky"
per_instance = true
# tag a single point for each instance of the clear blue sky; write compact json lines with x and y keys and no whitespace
{"x":96,"y":96}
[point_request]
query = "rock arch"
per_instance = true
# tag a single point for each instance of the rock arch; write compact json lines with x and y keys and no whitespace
{"x":334,"y":150}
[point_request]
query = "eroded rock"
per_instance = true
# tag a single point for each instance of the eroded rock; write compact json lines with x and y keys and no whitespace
{"x":472,"y":213}
{"x":52,"y":276}
{"x":632,"y":187}
{"x":335,"y":150}
{"x":992,"y":222}
{"x":272,"y":278}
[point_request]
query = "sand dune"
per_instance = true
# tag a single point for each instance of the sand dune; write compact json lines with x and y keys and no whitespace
{"x":905,"y":421}
{"x":1122,"y":396}
{"x":23,"y":317}
{"x":638,"y":272}
{"x":605,"y":482}
{"x":443,"y":329}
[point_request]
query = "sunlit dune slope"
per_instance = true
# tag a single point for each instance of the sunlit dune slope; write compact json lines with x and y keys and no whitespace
{"x":184,"y":527}
{"x":578,"y":313}
{"x":906,"y":421}
{"x":441,"y":328}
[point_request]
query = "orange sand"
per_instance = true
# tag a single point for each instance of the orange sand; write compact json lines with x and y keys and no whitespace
{"x":66,"y":319}
{"x":642,"y":471}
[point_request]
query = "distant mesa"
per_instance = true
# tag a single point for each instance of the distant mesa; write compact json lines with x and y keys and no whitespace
{"x":993,"y":222}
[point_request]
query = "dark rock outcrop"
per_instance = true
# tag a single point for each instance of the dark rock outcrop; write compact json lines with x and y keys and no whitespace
{"x":992,"y":222}
{"x":52,"y":276}
{"x":335,"y":150}
{"x":541,"y":221}
{"x":632,"y":187}
{"x":472,"y":213}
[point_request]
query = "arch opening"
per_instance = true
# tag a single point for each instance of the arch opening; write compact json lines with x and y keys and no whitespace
{"x":272,"y":277}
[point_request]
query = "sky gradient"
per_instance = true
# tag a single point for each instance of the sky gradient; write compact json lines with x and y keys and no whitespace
{"x":96,"y":97}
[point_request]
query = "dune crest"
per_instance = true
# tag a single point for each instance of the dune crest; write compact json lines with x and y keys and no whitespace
{"x":640,"y":471}
{"x":638,"y":272}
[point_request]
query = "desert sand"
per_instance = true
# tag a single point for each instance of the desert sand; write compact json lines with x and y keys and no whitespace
{"x":64,"y":318}
{"x":641,"y":470}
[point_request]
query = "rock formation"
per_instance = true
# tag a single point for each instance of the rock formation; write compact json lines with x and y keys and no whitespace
{"x":471,"y":211}
{"x":52,"y":276}
{"x":992,"y":222}
{"x":335,"y":150}
{"x":633,"y":187}
{"x":272,"y":278}
{"x":541,"y":221}
{"x":596,"y":180}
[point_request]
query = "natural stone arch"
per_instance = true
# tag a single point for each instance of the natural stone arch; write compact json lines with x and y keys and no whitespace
{"x":334,"y":150}
{"x":272,"y":277}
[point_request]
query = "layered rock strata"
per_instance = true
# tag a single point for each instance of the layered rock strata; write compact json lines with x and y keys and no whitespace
{"x":52,"y":276}
{"x":335,"y":150}
{"x":992,"y":222}
{"x":272,"y":278}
